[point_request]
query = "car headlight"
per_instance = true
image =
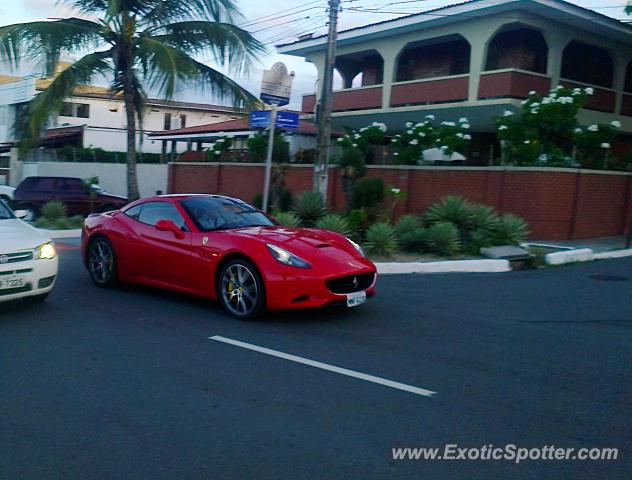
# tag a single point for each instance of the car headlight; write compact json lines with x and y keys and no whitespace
{"x":45,"y":252}
{"x":287,"y":258}
{"x":356,"y":246}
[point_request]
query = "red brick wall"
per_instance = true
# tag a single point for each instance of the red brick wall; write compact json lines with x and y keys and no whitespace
{"x":447,"y":90}
{"x":602,"y":100}
{"x":357,"y":99}
{"x":512,"y":84}
{"x":558,"y":205}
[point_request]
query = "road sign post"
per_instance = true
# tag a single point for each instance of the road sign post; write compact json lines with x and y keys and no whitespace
{"x":275,"y":90}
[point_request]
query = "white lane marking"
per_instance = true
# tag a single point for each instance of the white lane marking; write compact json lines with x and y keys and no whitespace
{"x":325,"y":366}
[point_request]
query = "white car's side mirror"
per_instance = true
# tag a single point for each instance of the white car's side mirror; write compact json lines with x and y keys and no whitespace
{"x":21,"y":214}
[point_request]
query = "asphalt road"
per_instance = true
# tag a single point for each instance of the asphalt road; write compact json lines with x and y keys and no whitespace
{"x":126,"y":383}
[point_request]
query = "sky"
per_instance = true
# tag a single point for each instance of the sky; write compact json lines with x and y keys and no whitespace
{"x":276,"y":21}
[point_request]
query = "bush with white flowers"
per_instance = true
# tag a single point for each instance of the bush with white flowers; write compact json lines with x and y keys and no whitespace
{"x":451,"y":137}
{"x":546,"y":132}
{"x":219,"y":146}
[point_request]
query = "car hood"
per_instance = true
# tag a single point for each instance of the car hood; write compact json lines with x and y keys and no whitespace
{"x":305,"y":242}
{"x":16,"y":235}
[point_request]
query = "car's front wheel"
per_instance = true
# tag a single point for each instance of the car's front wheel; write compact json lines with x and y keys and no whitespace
{"x":241,"y":290}
{"x":102,"y":262}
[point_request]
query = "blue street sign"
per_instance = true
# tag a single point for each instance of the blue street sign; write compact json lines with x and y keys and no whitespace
{"x":260,"y":119}
{"x":284,"y":120}
{"x":271,"y":99}
{"x":287,"y":120}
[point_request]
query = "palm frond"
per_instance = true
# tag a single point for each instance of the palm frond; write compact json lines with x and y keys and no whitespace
{"x":46,"y":41}
{"x":50,"y":101}
{"x":158,"y":12}
{"x":223,"y":42}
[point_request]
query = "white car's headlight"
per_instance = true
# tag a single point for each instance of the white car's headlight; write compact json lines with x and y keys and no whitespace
{"x":45,"y":252}
{"x":287,"y":258}
{"x":356,"y":246}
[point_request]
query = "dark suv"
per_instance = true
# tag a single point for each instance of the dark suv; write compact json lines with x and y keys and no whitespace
{"x":74,"y":193}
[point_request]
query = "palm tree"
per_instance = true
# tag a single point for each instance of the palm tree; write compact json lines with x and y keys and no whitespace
{"x":138,"y":44}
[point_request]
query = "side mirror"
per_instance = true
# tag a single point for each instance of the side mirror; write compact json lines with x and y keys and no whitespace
{"x":21,"y":214}
{"x":169,"y":226}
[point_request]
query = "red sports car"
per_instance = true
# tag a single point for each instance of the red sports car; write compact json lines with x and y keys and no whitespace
{"x":222,"y":248}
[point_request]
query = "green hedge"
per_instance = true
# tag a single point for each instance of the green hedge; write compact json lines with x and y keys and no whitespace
{"x":98,"y":155}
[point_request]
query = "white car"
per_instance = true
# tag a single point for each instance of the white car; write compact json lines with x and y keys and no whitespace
{"x":6,"y":193}
{"x":28,"y":260}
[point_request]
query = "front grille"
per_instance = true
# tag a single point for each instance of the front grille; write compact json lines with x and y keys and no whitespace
{"x":15,"y":257}
{"x":14,"y":272}
{"x":350,"y":284}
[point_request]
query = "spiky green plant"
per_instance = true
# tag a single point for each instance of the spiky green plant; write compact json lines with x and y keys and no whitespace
{"x":138,"y":45}
{"x":407,"y":224}
{"x":287,"y":219}
{"x":484,"y":218}
{"x":335,"y":223}
{"x":452,"y":208}
{"x":443,"y":238}
{"x":53,"y":210}
{"x":309,"y":206}
{"x":414,"y":241}
{"x":381,"y":240}
{"x":511,"y":230}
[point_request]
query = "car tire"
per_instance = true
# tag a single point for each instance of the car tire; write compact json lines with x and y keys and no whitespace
{"x":241,"y":290}
{"x":102,"y":263}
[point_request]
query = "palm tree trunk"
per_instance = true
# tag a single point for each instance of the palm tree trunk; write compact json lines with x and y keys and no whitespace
{"x":132,"y":177}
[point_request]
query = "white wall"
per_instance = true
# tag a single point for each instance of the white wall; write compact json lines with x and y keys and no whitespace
{"x":112,"y":177}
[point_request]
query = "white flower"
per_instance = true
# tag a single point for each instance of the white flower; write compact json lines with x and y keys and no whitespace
{"x":410,"y":132}
{"x":396,"y":154}
{"x":419,"y":125}
{"x":220,"y":140}
{"x":449,"y":124}
{"x":589,"y":91}
{"x":524,"y":102}
{"x":414,"y":141}
{"x":467,"y":136}
{"x":559,"y":87}
{"x":340,"y":140}
{"x":535,"y":104}
{"x":430,"y":117}
{"x":616,"y":124}
{"x":395,"y":190}
{"x":444,"y":147}
{"x":466,"y":126}
{"x":463,"y":120}
{"x":593,"y":128}
{"x":356,"y":136}
{"x":579,"y":130}
{"x":535,"y":111}
{"x":508,"y":113}
{"x":422,"y":134}
{"x":527,"y":142}
{"x":393,"y":140}
{"x":355,"y":145}
{"x":532,"y":92}
{"x":503,"y":127}
{"x":409,"y":124}
{"x":459,"y":135}
{"x":605,"y":145}
{"x":363,"y":129}
{"x":577,"y":91}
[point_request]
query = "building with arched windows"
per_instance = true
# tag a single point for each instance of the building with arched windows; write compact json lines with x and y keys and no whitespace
{"x":476,"y":60}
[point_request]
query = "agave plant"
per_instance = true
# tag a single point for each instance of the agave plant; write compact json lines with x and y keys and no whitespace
{"x":407,"y":224}
{"x":309,"y":206}
{"x":381,"y":240}
{"x":511,"y":230}
{"x":452,"y":208}
{"x":136,"y":45}
{"x":287,"y":219}
{"x":484,"y":218}
{"x":414,"y":241}
{"x":335,"y":223}
{"x":444,"y":238}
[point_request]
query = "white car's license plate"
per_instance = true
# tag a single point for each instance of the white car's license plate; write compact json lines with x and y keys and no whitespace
{"x":12,"y":281}
{"x":355,"y":299}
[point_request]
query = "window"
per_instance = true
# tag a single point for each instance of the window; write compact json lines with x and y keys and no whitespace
{"x":216,"y":213}
{"x":70,"y":185}
{"x":134,"y":212}
{"x":183,"y":121}
{"x":167,"y":121}
{"x":153,"y":212}
{"x":79,"y":110}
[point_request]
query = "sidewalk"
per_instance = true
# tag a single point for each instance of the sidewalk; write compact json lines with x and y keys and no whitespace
{"x":597,"y":245}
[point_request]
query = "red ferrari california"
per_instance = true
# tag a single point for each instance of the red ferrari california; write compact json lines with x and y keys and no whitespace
{"x":222,"y":248}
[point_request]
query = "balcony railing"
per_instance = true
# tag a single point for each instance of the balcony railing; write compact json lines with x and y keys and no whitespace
{"x":360,"y":98}
{"x":512,"y":83}
{"x":430,"y":91}
{"x":603,"y":100}
{"x":626,"y":105}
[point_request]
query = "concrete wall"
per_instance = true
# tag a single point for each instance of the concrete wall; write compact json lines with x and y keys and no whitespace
{"x":558,"y":204}
{"x":112,"y":177}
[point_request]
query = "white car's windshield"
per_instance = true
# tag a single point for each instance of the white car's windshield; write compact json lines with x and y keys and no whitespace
{"x":5,"y":212}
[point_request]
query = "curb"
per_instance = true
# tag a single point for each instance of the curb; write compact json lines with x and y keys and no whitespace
{"x":447,"y":266}
{"x":569,"y":256}
{"x":613,"y":254}
{"x":57,"y":234}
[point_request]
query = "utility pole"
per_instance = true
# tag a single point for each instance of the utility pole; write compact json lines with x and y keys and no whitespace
{"x":323,"y":138}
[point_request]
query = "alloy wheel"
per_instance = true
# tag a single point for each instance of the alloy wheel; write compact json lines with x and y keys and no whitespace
{"x":239,"y":290}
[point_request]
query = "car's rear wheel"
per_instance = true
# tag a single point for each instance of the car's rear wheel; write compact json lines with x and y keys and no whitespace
{"x":241,"y":290}
{"x":102,"y":262}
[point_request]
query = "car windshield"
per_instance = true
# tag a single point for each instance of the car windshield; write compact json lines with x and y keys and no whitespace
{"x":217,"y":213}
{"x":5,"y":212}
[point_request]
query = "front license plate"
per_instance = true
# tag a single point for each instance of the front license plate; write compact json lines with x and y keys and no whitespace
{"x":355,"y":299}
{"x":13,"y":281}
